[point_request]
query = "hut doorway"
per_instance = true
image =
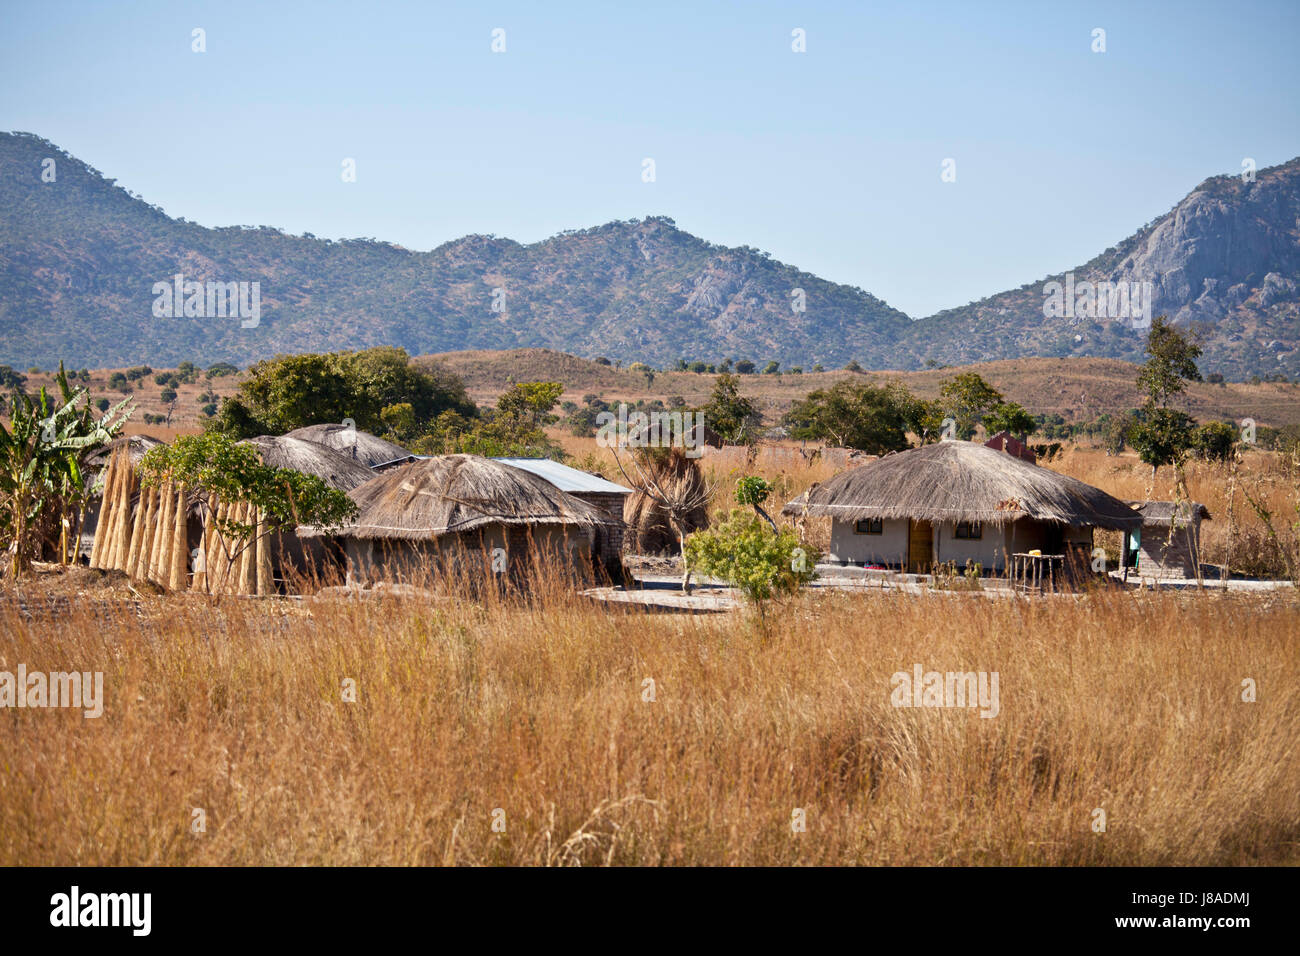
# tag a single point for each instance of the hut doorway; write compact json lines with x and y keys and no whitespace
{"x":920,"y":547}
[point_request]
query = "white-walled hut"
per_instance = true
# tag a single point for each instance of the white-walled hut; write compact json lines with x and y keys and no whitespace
{"x":954,"y":502}
{"x":370,"y":450}
{"x":1169,"y":543}
{"x":465,"y":513}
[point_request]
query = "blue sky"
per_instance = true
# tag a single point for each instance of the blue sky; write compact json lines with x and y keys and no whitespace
{"x":828,"y":159}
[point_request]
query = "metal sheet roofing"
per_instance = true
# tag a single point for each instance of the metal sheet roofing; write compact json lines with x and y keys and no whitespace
{"x":565,"y":478}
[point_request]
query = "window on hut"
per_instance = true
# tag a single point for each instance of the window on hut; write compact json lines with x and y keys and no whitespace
{"x":869,"y":526}
{"x":969,"y":529}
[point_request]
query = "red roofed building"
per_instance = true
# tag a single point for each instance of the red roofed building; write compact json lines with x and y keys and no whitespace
{"x":1005,"y":441}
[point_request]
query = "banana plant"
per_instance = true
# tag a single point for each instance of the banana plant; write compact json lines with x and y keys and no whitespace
{"x":42,"y":454}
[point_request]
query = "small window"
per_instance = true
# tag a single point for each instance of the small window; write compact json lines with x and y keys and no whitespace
{"x":869,"y":526}
{"x":969,"y":529}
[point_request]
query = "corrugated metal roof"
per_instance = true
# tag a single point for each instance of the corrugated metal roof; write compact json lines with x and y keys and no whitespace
{"x":563,"y":477}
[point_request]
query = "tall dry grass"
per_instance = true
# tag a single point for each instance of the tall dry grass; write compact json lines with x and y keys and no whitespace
{"x":1130,"y":703}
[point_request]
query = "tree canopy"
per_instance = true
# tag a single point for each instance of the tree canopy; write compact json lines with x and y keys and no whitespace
{"x":291,"y":391}
{"x":853,"y":414}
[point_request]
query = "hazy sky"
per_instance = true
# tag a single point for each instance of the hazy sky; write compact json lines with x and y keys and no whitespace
{"x":828,"y":159}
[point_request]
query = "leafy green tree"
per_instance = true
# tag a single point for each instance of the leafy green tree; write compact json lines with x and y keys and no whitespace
{"x":400,"y":420}
{"x":214,"y":467}
{"x":732,"y":416}
{"x":852,"y":414}
{"x":1215,"y":441}
{"x":291,"y":391}
{"x":749,"y":556}
{"x":753,"y":490}
{"x":1170,"y":364}
{"x":11,"y":379}
{"x":745,"y":367}
{"x":921,"y":417}
{"x":221,"y":370}
{"x":1164,"y":436}
{"x":967,"y":398}
{"x":528,"y":404}
{"x":1010,"y":417}
{"x":42,"y":453}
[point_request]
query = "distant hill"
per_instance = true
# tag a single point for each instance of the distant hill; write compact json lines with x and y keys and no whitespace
{"x":1225,"y":260}
{"x":79,"y":258}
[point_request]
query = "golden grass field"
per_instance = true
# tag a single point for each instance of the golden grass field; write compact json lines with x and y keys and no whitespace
{"x":1130,"y":703}
{"x":531,"y":713}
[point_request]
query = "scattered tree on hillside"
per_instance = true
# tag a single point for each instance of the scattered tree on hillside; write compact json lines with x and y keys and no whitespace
{"x":1162,"y":435}
{"x":291,"y":391}
{"x":734,"y":418}
{"x":967,"y":399}
{"x":852,"y":414}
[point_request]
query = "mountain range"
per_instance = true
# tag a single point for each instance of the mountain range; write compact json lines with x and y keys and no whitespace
{"x":85,"y":267}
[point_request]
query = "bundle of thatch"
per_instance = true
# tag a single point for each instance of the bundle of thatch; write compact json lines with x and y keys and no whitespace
{"x":142,"y":529}
{"x":664,"y":474}
{"x":451,"y":494}
{"x":962,"y":481}
{"x":229,"y":564}
{"x":370,"y":450}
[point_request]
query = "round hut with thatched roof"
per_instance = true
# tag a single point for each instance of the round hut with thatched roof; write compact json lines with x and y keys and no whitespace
{"x":954,"y":502}
{"x":370,"y":450}
{"x":311,"y":458}
{"x":464,"y":512}
{"x":291,"y":555}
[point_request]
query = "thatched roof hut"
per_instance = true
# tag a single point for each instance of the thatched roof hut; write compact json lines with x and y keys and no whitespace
{"x":434,"y":514}
{"x":1170,"y":540}
{"x":311,"y":458}
{"x":450,"y":494}
{"x":1161,"y":513}
{"x":967,"y":482}
{"x":370,"y":450}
